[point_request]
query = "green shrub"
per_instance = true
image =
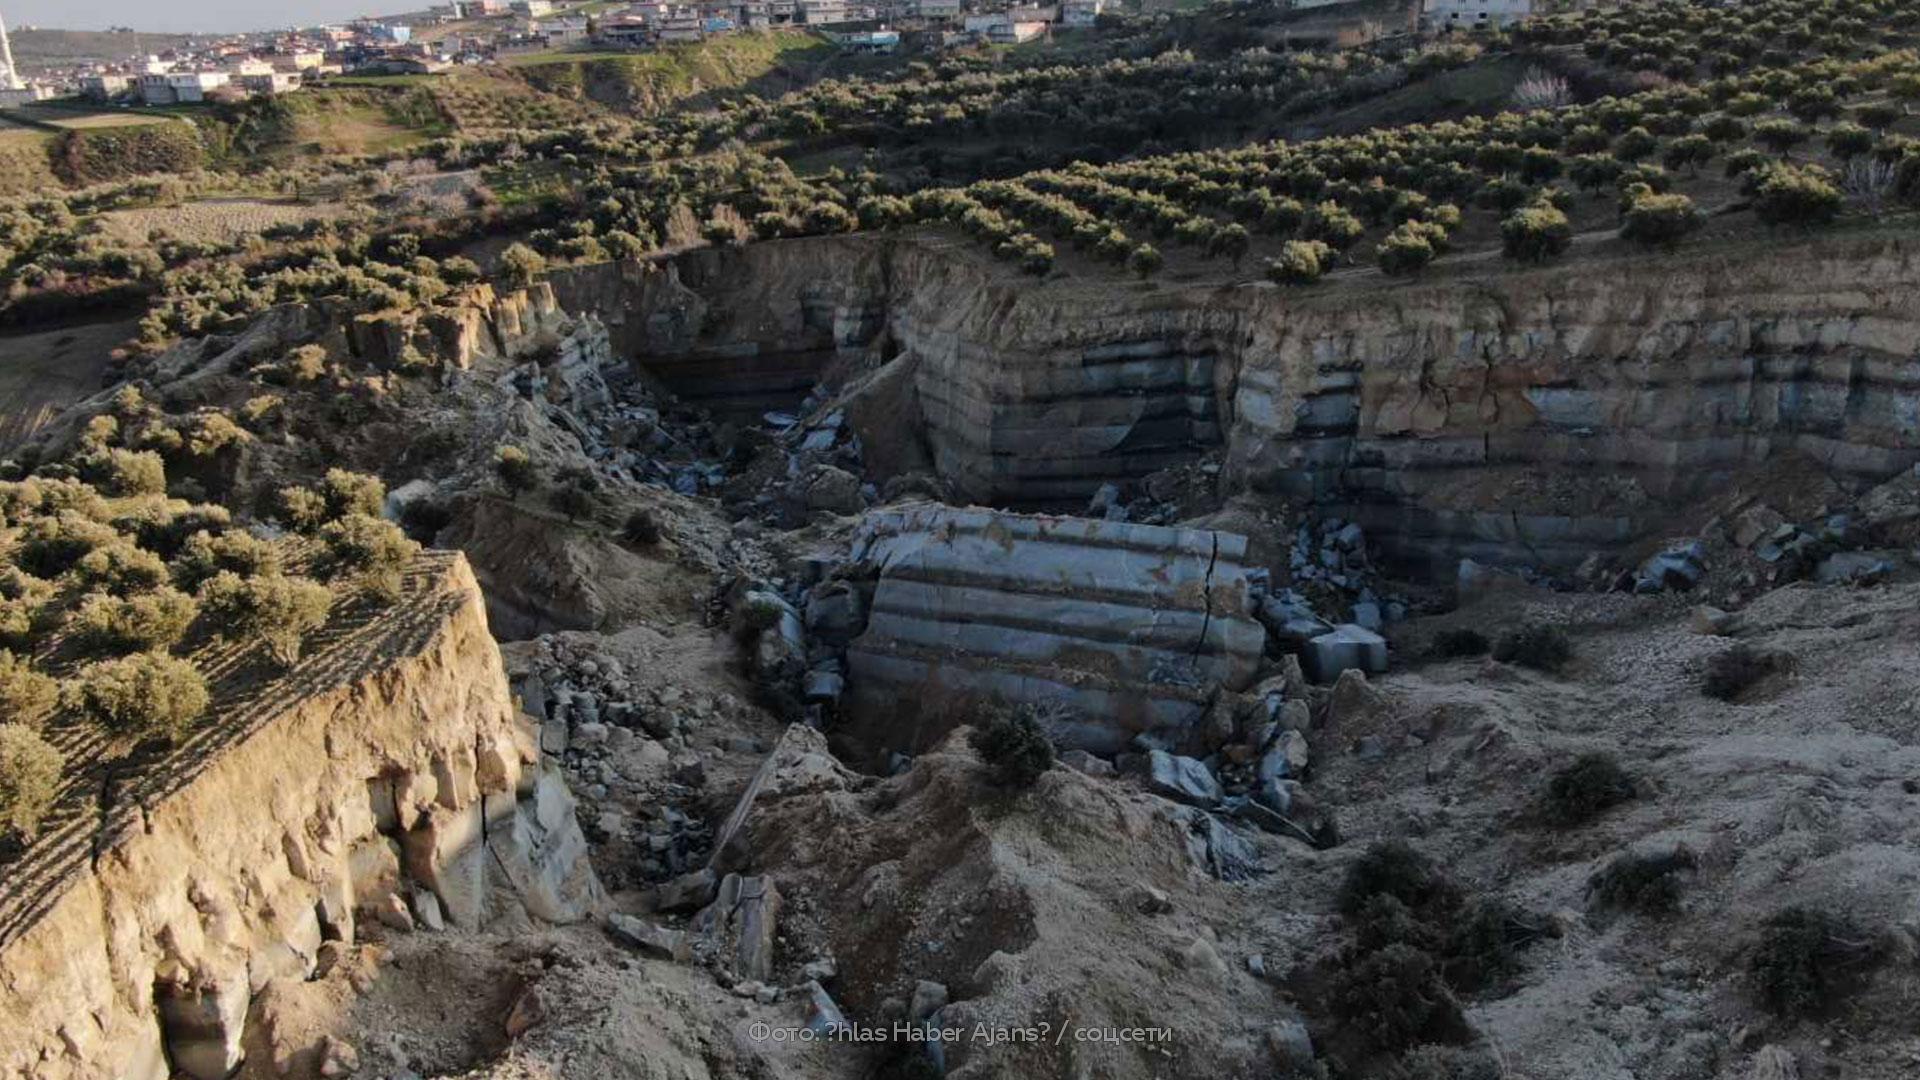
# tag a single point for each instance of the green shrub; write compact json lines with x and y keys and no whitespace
{"x":1538,"y":645}
{"x":1328,"y":223}
{"x":424,"y":518}
{"x":1404,"y":251}
{"x":1655,"y":219}
{"x":205,"y":555}
{"x":1458,"y":642}
{"x":275,"y":609}
{"x":138,"y":697}
{"x":1805,"y":961}
{"x":50,"y":546}
{"x":1536,"y":233}
{"x":29,"y":779}
{"x":642,"y":528}
{"x":1734,"y":671}
{"x":26,"y":695}
{"x":1301,"y":262}
{"x":1580,"y":792}
{"x":303,"y":509}
{"x":121,"y":568}
{"x":575,"y":500}
{"x":126,"y":472}
{"x":1145,"y":261}
{"x":149,"y":620}
{"x":521,"y":266}
{"x":352,"y":493}
{"x":1394,"y":868}
{"x":372,"y":551}
{"x":1013,"y":744}
{"x":1649,"y":884}
{"x":516,"y":470}
{"x":1779,"y":135}
{"x":1787,"y":195}
{"x":1483,"y":942}
{"x":1396,"y":996}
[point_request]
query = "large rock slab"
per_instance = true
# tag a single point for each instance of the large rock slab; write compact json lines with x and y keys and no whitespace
{"x":1131,"y":626}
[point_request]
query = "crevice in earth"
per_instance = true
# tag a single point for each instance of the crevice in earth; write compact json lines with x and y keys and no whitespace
{"x":1206,"y":595}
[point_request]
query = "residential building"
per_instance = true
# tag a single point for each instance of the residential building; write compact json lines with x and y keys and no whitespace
{"x":873,"y":41}
{"x":1013,"y":33}
{"x":533,"y":9}
{"x":388,"y":33}
{"x":248,"y":65}
{"x":941,"y":10}
{"x":271,"y":82}
{"x":680,"y":28}
{"x":625,"y":32}
{"x":105,"y":85}
{"x":818,"y":12}
{"x":1472,"y":14}
{"x":1081,"y":13}
{"x":561,"y":33}
{"x":180,"y":87}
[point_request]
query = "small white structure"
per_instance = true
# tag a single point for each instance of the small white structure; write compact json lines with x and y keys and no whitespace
{"x":1471,"y":14}
{"x":10,"y":79}
{"x":943,"y":10}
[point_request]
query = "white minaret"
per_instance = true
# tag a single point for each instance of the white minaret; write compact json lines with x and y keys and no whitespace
{"x":6,"y":53}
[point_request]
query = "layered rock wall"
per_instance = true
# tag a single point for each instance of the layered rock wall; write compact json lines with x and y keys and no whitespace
{"x":1132,"y":625}
{"x":387,"y":776}
{"x":1487,"y":410}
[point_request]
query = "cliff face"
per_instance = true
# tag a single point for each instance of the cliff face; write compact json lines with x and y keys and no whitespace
{"x":387,"y":775}
{"x":1486,"y":410}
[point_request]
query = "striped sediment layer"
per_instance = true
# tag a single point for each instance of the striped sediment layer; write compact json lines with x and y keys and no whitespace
{"x":1485,"y":409}
{"x":1132,"y":626}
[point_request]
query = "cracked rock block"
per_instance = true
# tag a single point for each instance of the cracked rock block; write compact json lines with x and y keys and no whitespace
{"x":541,"y":854}
{"x":741,"y":922}
{"x":1132,"y":627}
{"x":1346,"y":647}
{"x":445,"y":854}
{"x":203,"y":1021}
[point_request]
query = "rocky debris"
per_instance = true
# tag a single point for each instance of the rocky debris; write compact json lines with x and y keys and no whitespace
{"x":738,"y":926}
{"x":1773,"y":1062}
{"x":1146,"y":899}
{"x":1852,"y":568}
{"x":1082,"y":762}
{"x":1345,"y":648}
{"x":1182,"y":779}
{"x":823,"y":1016}
{"x":203,"y":1021}
{"x":659,"y":942}
{"x":929,"y":997}
{"x":689,"y":892}
{"x":1677,"y":568}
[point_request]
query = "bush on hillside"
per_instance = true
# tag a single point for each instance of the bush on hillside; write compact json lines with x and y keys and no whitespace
{"x":1441,"y":1062}
{"x":1732,"y":672}
{"x":1013,"y":744}
{"x":1404,"y":251}
{"x":1536,"y":233}
{"x":521,"y":266}
{"x":1397,"y":996}
{"x":1805,"y":961}
{"x":1538,"y":645}
{"x":1395,"y":868}
{"x":1582,"y":791}
{"x":303,"y":509}
{"x":125,"y":472}
{"x":1648,"y":884}
{"x":148,"y":695}
{"x":516,"y":470}
{"x":50,"y":546}
{"x":275,"y":609}
{"x":352,"y":493}
{"x":1789,"y":195}
{"x":146,"y":621}
{"x":1300,"y":262}
{"x":29,"y":779}
{"x":1659,"y":220}
{"x":26,"y":695}
{"x":121,"y":568}
{"x":1458,"y":642}
{"x":205,"y":555}
{"x":372,"y":551}
{"x":642,"y":528}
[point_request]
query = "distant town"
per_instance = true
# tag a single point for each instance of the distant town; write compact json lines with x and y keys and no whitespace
{"x":477,"y":32}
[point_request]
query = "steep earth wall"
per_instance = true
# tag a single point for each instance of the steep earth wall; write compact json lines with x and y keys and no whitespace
{"x":1485,"y":410}
{"x":387,"y":776}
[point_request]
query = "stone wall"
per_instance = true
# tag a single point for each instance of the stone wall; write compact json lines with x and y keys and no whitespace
{"x":387,"y":776}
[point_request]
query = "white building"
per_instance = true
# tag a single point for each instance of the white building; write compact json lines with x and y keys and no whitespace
{"x":943,"y":10}
{"x":816,"y":12}
{"x":105,"y":85}
{"x":173,"y":87}
{"x":533,"y":9}
{"x":1472,"y":14}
